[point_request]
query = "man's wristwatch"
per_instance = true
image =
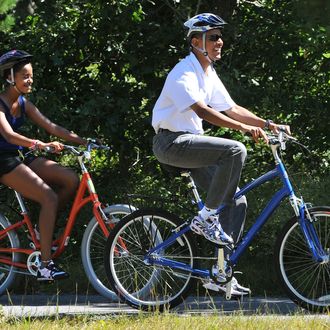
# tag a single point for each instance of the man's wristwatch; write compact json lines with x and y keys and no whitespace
{"x":267,"y":123}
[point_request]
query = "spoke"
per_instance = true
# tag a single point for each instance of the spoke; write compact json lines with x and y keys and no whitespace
{"x":147,"y":283}
{"x":307,"y":279}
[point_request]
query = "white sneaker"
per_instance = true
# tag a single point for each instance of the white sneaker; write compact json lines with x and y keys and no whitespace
{"x":51,"y":272}
{"x":235,"y":285}
{"x":236,"y":289}
{"x":211,"y":230}
{"x":198,"y":225}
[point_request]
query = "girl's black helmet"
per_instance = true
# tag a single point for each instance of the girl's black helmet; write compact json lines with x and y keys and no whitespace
{"x":9,"y":59}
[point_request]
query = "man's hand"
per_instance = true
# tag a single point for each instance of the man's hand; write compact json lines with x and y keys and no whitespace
{"x":256,"y":133}
{"x":276,"y":128}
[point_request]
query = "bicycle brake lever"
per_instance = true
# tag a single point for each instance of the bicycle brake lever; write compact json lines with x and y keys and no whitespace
{"x":49,"y":149}
{"x":87,"y":155}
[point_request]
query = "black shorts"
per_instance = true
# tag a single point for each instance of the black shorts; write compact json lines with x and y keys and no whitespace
{"x":10,"y":160}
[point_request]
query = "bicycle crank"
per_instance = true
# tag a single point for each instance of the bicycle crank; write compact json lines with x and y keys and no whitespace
{"x":221,"y":273}
{"x":33,"y":262}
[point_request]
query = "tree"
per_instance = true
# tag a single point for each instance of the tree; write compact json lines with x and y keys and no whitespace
{"x":7,"y":20}
{"x":99,"y":66}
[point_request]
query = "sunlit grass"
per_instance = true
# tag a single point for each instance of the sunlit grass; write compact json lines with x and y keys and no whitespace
{"x":170,"y":321}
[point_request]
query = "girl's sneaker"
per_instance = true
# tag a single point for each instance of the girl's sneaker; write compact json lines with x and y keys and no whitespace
{"x":51,"y":272}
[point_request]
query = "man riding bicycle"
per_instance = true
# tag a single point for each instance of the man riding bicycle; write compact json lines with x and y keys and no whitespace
{"x":193,"y":92}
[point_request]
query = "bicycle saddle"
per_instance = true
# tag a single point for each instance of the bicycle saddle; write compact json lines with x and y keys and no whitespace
{"x":176,"y":171}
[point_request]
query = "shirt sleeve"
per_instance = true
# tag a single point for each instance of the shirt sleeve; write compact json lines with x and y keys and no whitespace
{"x":221,"y":100}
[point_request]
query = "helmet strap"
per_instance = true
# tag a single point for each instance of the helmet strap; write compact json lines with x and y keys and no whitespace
{"x":205,"y":53}
{"x":203,"y":50}
{"x":12,"y":79}
{"x":18,"y":91}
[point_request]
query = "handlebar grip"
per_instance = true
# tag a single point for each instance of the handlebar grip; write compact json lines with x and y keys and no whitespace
{"x":49,"y":149}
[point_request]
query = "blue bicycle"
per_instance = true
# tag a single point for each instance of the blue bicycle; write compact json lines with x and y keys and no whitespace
{"x":151,"y":260}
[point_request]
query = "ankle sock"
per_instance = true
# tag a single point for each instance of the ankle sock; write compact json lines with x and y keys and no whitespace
{"x":205,"y":212}
{"x":45,"y":263}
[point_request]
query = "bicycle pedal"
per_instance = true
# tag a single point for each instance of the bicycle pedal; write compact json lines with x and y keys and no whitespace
{"x":177,"y":229}
{"x":46,"y":281}
{"x":211,"y":286}
{"x":238,"y":272}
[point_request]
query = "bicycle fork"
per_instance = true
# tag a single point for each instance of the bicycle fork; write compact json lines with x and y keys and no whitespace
{"x":306,"y":223}
{"x":313,"y":242}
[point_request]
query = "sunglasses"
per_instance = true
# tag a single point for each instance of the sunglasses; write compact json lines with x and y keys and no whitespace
{"x":214,"y":37}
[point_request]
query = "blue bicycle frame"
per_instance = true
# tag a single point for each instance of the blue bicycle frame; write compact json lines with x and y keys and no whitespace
{"x":154,"y":256}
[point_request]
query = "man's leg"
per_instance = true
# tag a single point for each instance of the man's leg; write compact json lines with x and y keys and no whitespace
{"x":198,"y":151}
{"x":232,"y":218}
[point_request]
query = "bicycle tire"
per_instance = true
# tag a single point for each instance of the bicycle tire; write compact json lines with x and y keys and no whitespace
{"x":143,"y":286}
{"x":7,"y":272}
{"x":92,"y":250}
{"x":306,"y":281}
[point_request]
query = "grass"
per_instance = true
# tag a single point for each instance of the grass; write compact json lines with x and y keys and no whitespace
{"x":170,"y":321}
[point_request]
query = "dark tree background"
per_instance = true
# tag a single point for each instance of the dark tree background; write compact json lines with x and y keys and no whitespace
{"x":99,"y":66}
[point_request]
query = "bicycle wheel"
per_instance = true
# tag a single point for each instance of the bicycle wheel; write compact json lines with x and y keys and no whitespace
{"x":146,"y":285}
{"x":306,"y":281}
{"x":7,"y":241}
{"x":92,"y":250}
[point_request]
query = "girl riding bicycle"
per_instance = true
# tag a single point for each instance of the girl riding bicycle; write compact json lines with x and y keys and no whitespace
{"x":36,"y":178}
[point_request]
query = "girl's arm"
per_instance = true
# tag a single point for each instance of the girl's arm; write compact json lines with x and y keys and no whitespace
{"x":37,"y":117}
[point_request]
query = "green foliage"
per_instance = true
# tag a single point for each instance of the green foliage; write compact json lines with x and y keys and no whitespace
{"x":100,"y":66}
{"x":7,"y":20}
{"x":266,"y":318}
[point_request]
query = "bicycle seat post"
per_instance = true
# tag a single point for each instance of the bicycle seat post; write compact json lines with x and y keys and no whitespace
{"x":20,"y":201}
{"x":192,"y":186}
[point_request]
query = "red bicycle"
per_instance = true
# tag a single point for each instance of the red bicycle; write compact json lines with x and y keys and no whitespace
{"x":93,"y":242}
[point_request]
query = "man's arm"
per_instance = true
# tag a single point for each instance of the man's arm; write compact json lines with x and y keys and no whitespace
{"x":245,"y":116}
{"x":237,"y":118}
{"x":219,"y":119}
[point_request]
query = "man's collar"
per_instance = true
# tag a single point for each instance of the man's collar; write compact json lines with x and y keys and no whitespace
{"x":197,"y":64}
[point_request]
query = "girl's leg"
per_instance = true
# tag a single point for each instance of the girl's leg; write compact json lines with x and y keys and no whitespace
{"x":63,"y":179}
{"x":31,"y":186}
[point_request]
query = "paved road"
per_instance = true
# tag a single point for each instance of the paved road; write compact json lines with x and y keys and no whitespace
{"x":49,"y":305}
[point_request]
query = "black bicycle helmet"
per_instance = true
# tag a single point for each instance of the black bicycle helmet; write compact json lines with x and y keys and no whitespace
{"x":9,"y":59}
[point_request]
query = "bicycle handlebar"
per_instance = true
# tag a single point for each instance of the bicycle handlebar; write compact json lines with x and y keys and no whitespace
{"x":281,"y":138}
{"x":91,"y":145}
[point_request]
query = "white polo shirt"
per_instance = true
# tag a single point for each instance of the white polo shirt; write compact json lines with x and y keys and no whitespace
{"x":185,"y":85}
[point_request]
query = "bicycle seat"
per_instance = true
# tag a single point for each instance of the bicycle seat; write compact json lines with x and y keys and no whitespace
{"x":2,"y":187}
{"x":176,"y":171}
{"x":2,"y":192}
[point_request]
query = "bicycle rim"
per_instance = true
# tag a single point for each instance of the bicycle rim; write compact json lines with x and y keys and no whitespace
{"x":141,"y":285}
{"x":306,"y":280}
{"x":92,"y":250}
{"x":7,"y":272}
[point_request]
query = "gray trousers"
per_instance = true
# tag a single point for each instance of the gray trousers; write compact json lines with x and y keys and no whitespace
{"x":215,"y":165}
